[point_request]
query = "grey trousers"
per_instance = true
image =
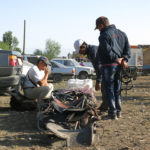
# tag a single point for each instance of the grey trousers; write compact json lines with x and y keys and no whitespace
{"x":39,"y":92}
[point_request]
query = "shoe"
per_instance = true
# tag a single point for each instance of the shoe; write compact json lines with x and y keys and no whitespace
{"x":119,"y":115}
{"x":102,"y":109}
{"x":113,"y":117}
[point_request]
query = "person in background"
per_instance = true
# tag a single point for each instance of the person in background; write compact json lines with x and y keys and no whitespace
{"x":82,"y":63}
{"x":113,"y":51}
{"x":35,"y":85}
{"x":83,"y":48}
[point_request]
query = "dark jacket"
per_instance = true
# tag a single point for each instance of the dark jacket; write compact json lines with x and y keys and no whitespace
{"x":113,"y":45}
{"x":92,"y":55}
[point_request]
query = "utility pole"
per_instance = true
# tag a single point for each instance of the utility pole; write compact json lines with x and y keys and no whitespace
{"x":24,"y":37}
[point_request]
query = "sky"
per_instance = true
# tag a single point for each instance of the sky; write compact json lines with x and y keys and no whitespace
{"x":65,"y":21}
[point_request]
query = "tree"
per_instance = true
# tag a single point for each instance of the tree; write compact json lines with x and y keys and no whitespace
{"x":4,"y":46}
{"x":14,"y":43}
{"x":52,"y":49}
{"x":18,"y":49}
{"x":11,"y":41}
{"x":38,"y":52}
{"x":7,"y":38}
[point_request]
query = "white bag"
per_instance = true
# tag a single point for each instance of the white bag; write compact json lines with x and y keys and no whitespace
{"x":77,"y":84}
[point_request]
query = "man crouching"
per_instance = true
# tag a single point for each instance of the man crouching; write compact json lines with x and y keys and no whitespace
{"x":35,"y":85}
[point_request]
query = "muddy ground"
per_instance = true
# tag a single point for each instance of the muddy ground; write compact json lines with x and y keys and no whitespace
{"x":131,"y":132}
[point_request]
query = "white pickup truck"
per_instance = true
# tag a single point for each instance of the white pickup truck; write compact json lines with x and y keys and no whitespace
{"x":82,"y":72}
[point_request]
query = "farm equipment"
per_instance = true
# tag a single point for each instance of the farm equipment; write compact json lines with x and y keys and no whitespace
{"x":70,"y":115}
{"x":134,"y":69}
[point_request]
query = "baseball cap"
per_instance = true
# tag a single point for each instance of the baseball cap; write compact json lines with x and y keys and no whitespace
{"x":77,"y":44}
{"x":44,"y":59}
{"x":98,"y":21}
{"x":101,"y":20}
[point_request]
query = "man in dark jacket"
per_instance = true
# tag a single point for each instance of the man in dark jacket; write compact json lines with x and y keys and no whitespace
{"x":113,"y":51}
{"x":91,"y":51}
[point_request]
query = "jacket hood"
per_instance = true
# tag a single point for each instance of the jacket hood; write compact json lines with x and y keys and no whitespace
{"x":109,"y":27}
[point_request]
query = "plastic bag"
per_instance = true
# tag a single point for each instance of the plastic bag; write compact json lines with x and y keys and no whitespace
{"x":77,"y":84}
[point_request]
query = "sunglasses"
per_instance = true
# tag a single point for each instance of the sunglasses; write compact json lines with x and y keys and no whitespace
{"x":81,"y":46}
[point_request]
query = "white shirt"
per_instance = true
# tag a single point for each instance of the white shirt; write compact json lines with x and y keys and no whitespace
{"x":35,"y":75}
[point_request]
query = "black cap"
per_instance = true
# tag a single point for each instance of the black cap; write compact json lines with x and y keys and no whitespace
{"x":98,"y":21}
{"x":44,"y":59}
{"x":101,"y":20}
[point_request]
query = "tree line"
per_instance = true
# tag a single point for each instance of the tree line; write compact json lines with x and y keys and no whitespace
{"x":10,"y":42}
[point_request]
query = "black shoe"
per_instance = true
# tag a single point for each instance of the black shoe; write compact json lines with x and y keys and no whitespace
{"x":110,"y":116}
{"x":103,"y":108}
{"x":119,"y":114}
{"x":113,"y":116}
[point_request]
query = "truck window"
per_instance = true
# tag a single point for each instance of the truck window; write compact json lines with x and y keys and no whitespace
{"x":68,"y":63}
{"x":59,"y":61}
{"x":54,"y":65}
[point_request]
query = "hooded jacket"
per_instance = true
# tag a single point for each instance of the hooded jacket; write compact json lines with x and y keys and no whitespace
{"x":113,"y":45}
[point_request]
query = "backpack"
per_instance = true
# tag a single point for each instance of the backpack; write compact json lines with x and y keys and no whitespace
{"x":22,"y":81}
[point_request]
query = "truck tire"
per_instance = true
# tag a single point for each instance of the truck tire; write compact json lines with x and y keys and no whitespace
{"x":57,"y":78}
{"x":83,"y":75}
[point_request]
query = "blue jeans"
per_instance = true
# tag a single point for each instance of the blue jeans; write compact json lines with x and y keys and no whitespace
{"x":111,"y":76}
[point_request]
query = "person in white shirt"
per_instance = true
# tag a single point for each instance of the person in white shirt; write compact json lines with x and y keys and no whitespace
{"x":35,"y":85}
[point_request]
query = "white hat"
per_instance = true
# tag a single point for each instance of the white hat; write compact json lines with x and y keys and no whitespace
{"x":77,"y":45}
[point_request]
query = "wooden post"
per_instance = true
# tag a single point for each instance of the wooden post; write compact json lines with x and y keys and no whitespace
{"x":24,"y":36}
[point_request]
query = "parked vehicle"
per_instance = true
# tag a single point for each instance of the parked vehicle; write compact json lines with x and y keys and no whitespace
{"x":10,"y":70}
{"x":82,"y":72}
{"x":60,"y":72}
{"x":146,"y":69}
{"x":85,"y":61}
{"x":135,"y":63}
{"x":31,"y":58}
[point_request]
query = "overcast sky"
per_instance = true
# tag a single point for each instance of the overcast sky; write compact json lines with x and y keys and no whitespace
{"x":67,"y":20}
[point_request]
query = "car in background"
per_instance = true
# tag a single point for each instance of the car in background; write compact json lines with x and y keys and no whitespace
{"x":81,"y":72}
{"x":31,"y":58}
{"x":10,"y":71}
{"x":135,"y":62}
{"x":84,"y":61}
{"x":60,"y":72}
{"x":146,"y":70}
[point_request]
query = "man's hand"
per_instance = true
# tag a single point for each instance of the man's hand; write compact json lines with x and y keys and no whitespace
{"x":46,"y":70}
{"x":97,"y":86}
{"x":125,"y":65}
{"x":120,"y":60}
{"x":43,"y":82}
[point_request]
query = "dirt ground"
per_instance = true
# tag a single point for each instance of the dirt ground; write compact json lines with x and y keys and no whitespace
{"x":131,"y":132}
